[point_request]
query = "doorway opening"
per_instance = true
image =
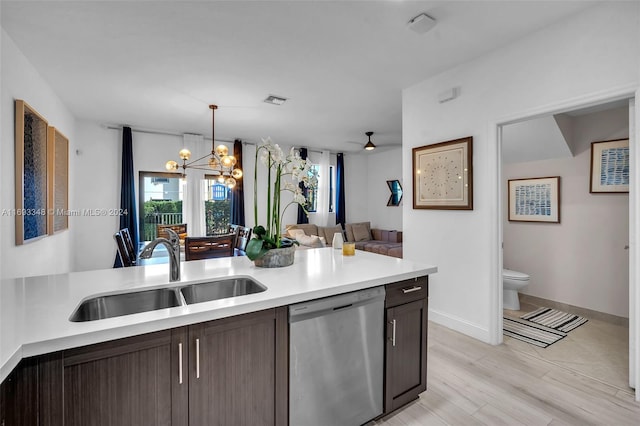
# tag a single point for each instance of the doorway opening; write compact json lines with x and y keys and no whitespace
{"x":562,"y":259}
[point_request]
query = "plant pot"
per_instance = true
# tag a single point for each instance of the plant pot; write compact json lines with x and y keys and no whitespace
{"x":276,"y":258}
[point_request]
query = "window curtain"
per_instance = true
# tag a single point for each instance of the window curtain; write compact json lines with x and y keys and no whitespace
{"x":322,"y":204}
{"x":302,"y":216}
{"x":237,"y":193}
{"x":193,"y":190}
{"x":340,"y":203}
{"x":128,"y":192}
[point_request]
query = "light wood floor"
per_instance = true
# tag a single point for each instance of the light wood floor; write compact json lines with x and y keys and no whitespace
{"x":473,"y":383}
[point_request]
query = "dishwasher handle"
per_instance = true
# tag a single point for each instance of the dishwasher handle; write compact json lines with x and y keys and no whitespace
{"x":329,"y":305}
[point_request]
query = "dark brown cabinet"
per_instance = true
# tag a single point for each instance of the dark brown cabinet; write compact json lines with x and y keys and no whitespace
{"x":126,"y":381}
{"x":227,"y":371}
{"x":236,"y":373}
{"x":406,"y":342}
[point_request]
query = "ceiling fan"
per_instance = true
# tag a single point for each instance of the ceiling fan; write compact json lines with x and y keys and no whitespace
{"x":370,"y":146}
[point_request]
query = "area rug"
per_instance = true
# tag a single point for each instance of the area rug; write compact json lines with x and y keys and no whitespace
{"x":529,"y":332}
{"x":555,"y":319}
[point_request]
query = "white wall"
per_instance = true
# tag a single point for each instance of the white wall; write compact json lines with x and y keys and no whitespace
{"x":97,"y":187}
{"x":580,"y":261}
{"x":356,"y":184}
{"x":20,"y":80}
{"x":564,"y":62}
{"x":383,"y":166}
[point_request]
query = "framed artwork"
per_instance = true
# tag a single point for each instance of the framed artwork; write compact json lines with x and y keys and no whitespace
{"x":443,"y":175}
{"x":534,"y":199}
{"x":610,"y":166}
{"x":396,"y":193}
{"x":58,"y":190}
{"x":31,"y":176}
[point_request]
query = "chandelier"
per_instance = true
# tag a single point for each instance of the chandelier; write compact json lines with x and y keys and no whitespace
{"x":219,"y":161}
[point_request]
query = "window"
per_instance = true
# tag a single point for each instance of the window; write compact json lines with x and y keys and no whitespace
{"x":312,"y":195}
{"x":217,"y":206}
{"x":160,"y":202}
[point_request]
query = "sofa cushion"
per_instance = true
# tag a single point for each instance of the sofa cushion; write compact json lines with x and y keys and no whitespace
{"x":395,"y":252}
{"x":295,"y":233}
{"x":308,"y":228}
{"x":328,"y":232}
{"x":361,"y":232}
{"x":310,"y":241}
{"x":348,"y":227}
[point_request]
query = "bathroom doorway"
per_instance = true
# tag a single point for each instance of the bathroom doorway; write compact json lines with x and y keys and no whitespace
{"x":558,"y":143}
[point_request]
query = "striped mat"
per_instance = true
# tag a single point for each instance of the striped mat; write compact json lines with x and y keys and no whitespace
{"x":529,"y":332}
{"x":555,"y":319}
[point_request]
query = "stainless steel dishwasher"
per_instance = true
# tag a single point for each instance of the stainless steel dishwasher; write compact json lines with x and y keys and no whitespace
{"x":336,"y":359}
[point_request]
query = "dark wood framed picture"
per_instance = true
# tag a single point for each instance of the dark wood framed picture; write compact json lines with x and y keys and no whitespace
{"x":443,"y":175}
{"x":609,"y":166}
{"x":534,"y":199}
{"x":31,"y":174}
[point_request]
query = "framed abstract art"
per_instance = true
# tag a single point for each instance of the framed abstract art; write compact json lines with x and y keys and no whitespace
{"x":443,"y":175}
{"x":534,"y":199}
{"x":609,"y":166}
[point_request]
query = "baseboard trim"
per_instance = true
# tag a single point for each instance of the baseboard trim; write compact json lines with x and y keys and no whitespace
{"x":460,"y":325}
{"x":576,"y":310}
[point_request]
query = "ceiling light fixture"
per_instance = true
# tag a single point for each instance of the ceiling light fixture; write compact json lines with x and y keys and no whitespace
{"x":219,"y":161}
{"x":275,"y":100}
{"x":369,"y":146}
{"x":421,"y":23}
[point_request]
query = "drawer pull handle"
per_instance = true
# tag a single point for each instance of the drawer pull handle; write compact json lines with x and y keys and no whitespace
{"x":197,"y":358}
{"x":412,"y":289}
{"x":180,"y":361}
{"x":393,"y":333}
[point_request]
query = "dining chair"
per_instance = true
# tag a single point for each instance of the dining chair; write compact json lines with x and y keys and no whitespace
{"x":243,"y":235}
{"x":196,"y":248}
{"x":178,"y":228}
{"x":128,"y":243}
{"x":122,"y":250}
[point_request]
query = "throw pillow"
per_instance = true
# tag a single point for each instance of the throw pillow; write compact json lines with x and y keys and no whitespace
{"x":295,"y":233}
{"x":361,"y":232}
{"x":329,"y":231}
{"x":309,"y":240}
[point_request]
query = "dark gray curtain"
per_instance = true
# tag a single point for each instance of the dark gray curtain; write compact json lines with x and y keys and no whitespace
{"x":237,"y":193}
{"x":129,"y":216}
{"x":340,"y":208}
{"x":302,"y":216}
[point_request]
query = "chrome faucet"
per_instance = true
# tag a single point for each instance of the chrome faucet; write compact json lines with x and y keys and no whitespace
{"x":173,"y":247}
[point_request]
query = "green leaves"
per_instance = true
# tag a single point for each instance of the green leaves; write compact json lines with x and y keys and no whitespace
{"x":255,"y":248}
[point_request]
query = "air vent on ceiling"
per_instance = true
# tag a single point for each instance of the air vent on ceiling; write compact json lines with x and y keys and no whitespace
{"x":421,"y":23}
{"x":275,"y":100}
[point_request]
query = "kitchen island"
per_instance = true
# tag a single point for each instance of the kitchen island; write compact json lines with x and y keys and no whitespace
{"x":35,"y":311}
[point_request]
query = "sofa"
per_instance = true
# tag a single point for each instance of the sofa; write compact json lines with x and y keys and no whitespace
{"x":374,"y":240}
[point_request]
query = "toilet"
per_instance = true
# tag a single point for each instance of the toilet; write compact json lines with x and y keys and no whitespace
{"x":512,"y":281}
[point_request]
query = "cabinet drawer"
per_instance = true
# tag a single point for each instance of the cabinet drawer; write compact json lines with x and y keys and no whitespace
{"x":406,"y":291}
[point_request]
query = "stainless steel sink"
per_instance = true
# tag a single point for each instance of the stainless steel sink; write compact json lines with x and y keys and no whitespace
{"x":115,"y":305}
{"x":220,"y":289}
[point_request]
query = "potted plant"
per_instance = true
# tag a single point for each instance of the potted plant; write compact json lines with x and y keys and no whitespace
{"x":268,"y":248}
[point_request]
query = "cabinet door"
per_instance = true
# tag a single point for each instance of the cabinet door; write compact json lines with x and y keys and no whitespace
{"x":236,"y":370}
{"x":123,"y":382}
{"x":406,"y":362}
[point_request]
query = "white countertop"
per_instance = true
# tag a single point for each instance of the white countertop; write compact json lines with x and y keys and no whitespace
{"x":35,"y":311}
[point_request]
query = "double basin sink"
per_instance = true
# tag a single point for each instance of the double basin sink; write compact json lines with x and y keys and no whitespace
{"x":115,"y":305}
